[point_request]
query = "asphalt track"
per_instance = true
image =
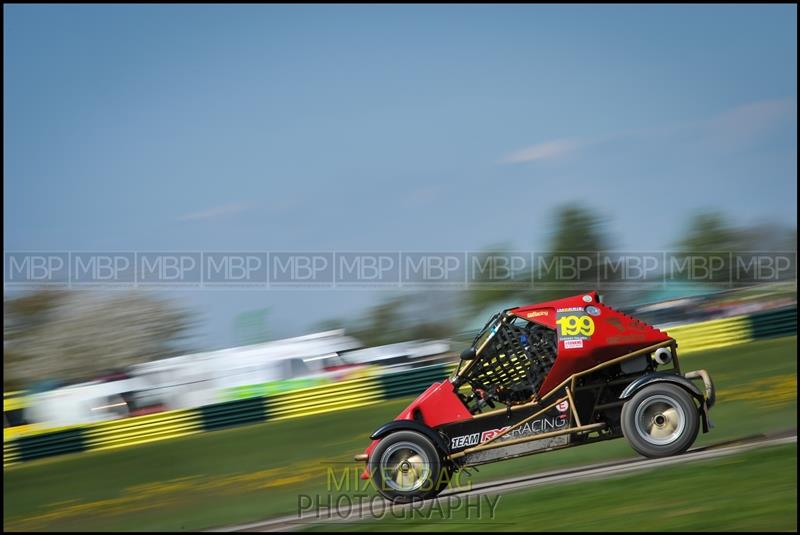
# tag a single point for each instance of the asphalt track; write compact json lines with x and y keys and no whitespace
{"x":594,"y":471}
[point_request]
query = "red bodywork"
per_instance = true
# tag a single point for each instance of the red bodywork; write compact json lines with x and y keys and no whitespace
{"x":615,"y":334}
{"x":438,"y":405}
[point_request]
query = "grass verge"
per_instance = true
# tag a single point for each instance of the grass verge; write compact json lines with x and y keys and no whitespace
{"x":751,"y":491}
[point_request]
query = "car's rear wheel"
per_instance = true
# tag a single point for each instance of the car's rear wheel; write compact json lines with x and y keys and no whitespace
{"x":406,"y":466}
{"x":660,"y":420}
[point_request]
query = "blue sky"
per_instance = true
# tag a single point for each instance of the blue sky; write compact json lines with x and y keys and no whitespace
{"x":387,"y":128}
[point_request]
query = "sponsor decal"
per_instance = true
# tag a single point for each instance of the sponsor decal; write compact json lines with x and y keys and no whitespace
{"x":489,"y":435}
{"x":593,"y":310}
{"x":464,"y":440}
{"x":574,"y":325}
{"x":537,"y":313}
{"x":563,"y":406}
{"x":535,"y":427}
{"x":573,"y":344}
{"x":587,"y":298}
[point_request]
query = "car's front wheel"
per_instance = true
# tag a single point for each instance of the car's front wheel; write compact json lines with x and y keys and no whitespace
{"x":406,"y":466}
{"x":660,"y":420}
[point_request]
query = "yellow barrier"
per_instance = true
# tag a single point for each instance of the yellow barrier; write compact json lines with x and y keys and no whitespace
{"x":711,"y":334}
{"x":142,"y":429}
{"x":13,"y":400}
{"x":326,"y":398}
{"x":23,"y":430}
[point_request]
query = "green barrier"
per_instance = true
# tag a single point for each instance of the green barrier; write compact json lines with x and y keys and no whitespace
{"x":229,"y":413}
{"x":773,"y":323}
{"x":10,"y":452}
{"x":48,"y":444}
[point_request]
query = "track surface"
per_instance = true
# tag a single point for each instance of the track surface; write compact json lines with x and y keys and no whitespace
{"x":594,"y":471}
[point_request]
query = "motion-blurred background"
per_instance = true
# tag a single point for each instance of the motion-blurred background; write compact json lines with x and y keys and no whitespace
{"x":494,"y":155}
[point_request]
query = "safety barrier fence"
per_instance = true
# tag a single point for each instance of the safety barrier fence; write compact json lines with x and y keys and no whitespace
{"x":734,"y":330}
{"x":711,"y":334}
{"x":773,"y":323}
{"x":336,"y":396}
{"x":172,"y":424}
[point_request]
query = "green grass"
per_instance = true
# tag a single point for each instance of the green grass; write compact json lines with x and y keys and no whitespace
{"x":255,"y":472}
{"x":752,"y":491}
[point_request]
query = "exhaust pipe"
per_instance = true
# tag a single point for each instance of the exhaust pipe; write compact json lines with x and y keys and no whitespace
{"x":662,"y":356}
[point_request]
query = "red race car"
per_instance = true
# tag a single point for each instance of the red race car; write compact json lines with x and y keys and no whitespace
{"x":538,"y":378}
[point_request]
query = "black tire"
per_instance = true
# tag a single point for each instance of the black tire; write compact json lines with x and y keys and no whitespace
{"x":660,"y":420}
{"x":428,"y":472}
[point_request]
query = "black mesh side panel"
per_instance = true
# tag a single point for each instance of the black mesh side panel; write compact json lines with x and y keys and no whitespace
{"x":515,"y":362}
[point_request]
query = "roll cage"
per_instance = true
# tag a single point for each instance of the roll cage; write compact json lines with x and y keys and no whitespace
{"x":507,"y":361}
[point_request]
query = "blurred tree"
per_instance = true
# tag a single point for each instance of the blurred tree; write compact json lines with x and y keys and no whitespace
{"x":766,"y":237}
{"x":382,"y":323}
{"x":710,"y":232}
{"x":430,"y":315}
{"x":77,"y":335}
{"x":578,"y":229}
{"x":29,"y":312}
{"x":578,"y":236}
{"x":415,"y":316}
{"x":710,"y":239}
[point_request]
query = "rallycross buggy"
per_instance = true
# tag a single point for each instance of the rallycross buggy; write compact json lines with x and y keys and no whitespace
{"x":539,"y":378}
